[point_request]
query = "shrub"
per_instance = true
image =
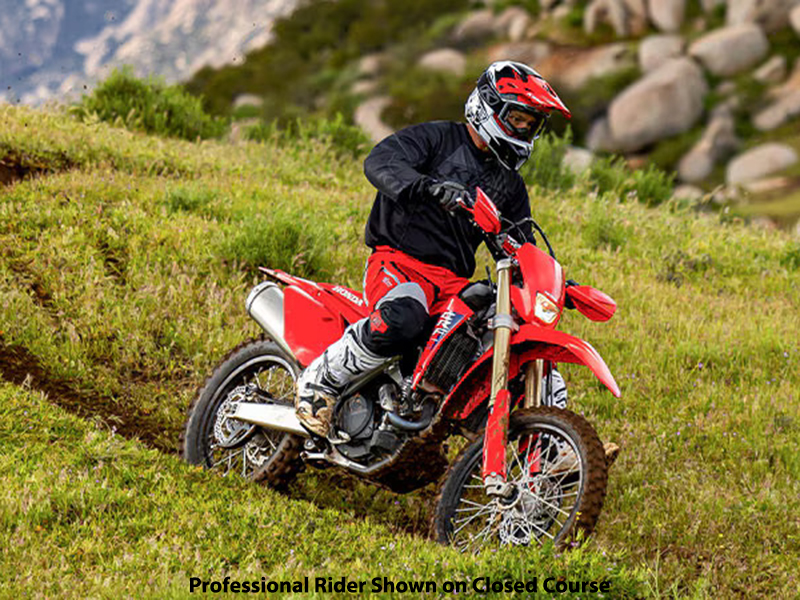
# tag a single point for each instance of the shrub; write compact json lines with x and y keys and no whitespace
{"x":344,"y":138}
{"x":610,"y":175}
{"x":604,"y":228}
{"x":149,"y":105}
{"x":652,"y":185}
{"x":546,"y":166}
{"x":284,"y":239}
{"x":791,"y":257}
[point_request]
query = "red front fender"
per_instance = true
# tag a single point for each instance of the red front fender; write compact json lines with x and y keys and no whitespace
{"x":529,"y":343}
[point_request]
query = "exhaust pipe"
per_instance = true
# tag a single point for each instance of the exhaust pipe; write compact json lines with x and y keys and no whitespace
{"x":265,"y":305}
{"x":270,"y":416}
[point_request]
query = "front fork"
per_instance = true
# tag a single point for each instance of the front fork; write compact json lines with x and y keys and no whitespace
{"x":496,"y":435}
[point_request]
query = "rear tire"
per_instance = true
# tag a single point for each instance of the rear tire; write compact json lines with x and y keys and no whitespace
{"x":270,"y":457}
{"x":560,"y":474}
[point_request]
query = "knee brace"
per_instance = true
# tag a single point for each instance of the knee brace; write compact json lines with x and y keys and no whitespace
{"x":396,"y":323}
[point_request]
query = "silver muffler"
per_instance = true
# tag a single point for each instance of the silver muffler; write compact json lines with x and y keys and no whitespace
{"x":270,"y":416}
{"x":265,"y":305}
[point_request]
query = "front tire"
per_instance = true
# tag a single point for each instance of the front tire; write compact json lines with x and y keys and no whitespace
{"x":555,"y":461}
{"x":255,"y":371}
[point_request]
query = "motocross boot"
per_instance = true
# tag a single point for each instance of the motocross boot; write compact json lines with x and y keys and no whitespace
{"x":327,"y":376}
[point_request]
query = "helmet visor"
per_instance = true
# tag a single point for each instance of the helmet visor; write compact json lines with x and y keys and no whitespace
{"x":522,"y":122}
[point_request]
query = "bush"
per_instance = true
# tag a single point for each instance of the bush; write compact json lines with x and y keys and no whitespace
{"x":546,"y":166}
{"x":603,"y":227}
{"x":610,"y":175}
{"x":284,"y":239}
{"x":149,"y":105}
{"x":344,"y":138}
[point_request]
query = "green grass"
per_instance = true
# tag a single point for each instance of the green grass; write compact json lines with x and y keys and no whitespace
{"x":123,"y":275}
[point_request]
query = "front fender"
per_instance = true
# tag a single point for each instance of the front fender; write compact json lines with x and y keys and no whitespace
{"x":529,"y":343}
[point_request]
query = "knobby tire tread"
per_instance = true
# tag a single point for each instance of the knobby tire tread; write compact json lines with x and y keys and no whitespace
{"x":591,"y":503}
{"x":285,"y":464}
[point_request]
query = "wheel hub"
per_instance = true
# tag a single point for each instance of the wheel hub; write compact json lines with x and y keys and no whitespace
{"x":229,"y":431}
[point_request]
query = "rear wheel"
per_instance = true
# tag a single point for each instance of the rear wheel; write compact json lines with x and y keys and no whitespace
{"x":255,"y":371}
{"x":556,"y":465}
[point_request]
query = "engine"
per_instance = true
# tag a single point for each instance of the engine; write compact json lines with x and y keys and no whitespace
{"x":360,"y":421}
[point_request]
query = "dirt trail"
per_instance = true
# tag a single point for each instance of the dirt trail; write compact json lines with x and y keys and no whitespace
{"x":19,"y":366}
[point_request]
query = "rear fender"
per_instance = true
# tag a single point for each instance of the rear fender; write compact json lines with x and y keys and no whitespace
{"x":310,"y":316}
{"x":529,"y":343}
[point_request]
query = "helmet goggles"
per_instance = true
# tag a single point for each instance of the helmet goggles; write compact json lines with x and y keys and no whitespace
{"x":510,"y":123}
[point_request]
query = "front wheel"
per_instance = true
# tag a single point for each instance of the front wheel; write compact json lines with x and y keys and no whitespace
{"x":557,"y":468}
{"x":255,"y":371}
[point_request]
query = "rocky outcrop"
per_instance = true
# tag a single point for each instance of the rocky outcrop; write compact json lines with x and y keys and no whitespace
{"x":444,"y":60}
{"x":717,"y":143}
{"x":477,"y":27}
{"x":368,"y":117}
{"x":667,"y":15}
{"x":577,"y":160}
{"x":760,"y":162}
{"x":772,"y":71}
{"x":664,"y":103}
{"x":571,"y":69}
{"x":770,"y":15}
{"x":513,"y":23}
{"x":530,"y":53}
{"x":626,"y":17}
{"x":779,"y":112}
{"x":655,"y":50}
{"x":53,"y":47}
{"x":731,"y":50}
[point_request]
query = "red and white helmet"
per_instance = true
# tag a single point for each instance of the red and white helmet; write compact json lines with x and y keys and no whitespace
{"x":506,"y":86}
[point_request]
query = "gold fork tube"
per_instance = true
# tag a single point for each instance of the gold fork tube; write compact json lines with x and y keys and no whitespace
{"x":502,"y":333}
{"x":533,"y":383}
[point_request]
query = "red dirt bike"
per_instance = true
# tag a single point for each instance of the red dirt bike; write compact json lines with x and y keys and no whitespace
{"x":530,"y":472}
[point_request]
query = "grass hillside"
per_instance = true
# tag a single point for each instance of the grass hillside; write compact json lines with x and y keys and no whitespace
{"x":125,"y":263}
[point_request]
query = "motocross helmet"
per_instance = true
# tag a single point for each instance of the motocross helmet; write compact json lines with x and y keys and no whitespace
{"x":504,"y":87}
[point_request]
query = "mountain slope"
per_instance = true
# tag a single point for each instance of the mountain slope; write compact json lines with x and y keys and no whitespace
{"x":51,"y":48}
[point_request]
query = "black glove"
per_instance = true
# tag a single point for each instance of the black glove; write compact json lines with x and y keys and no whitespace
{"x":568,"y":303}
{"x":448,"y":193}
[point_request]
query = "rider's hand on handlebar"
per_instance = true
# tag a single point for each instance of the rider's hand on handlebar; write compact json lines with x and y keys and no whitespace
{"x":450,"y":194}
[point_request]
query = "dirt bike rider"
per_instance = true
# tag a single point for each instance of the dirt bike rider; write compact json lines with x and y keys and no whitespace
{"x":423,"y":249}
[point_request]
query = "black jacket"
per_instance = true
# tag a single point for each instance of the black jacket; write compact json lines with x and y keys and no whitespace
{"x":403,"y":217}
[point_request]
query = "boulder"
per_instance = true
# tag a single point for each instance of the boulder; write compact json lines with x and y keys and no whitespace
{"x":612,"y":12}
{"x":687,"y":192}
{"x":445,"y":60}
{"x":530,"y":53}
{"x":513,"y":23}
{"x":599,"y":137}
{"x":772,"y":71}
{"x":769,"y":185}
{"x":717,"y":143}
{"x":573,"y":68}
{"x":667,"y":15}
{"x":709,"y":5}
{"x":476,"y":27}
{"x":731,"y":50}
{"x":577,"y":160}
{"x":365,"y":87}
{"x":770,"y":15}
{"x":655,"y":50}
{"x":790,"y":86}
{"x":248,"y":100}
{"x":759,"y":162}
{"x":779,"y":112}
{"x":664,"y":103}
{"x":371,"y":64}
{"x":794,"y":19}
{"x":368,"y":117}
